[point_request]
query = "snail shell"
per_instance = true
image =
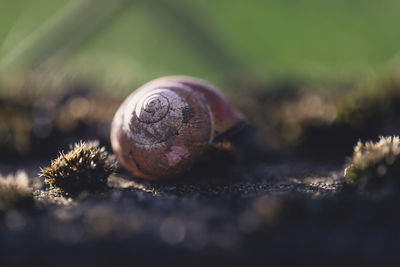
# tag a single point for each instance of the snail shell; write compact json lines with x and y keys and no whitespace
{"x":166,"y":125}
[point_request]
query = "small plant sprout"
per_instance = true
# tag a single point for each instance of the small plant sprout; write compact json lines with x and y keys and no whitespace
{"x":85,"y":168}
{"x":15,"y":192}
{"x":375,"y":165}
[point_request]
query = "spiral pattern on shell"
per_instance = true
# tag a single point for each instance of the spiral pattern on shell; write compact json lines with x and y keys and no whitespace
{"x":157,"y":116}
{"x":153,"y":108}
{"x":166,"y":125}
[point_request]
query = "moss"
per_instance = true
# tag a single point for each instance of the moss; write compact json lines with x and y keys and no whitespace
{"x":310,"y":120}
{"x":34,"y":118}
{"x":283,"y":117}
{"x":85,"y":168}
{"x":15,"y":126}
{"x":15,"y":192}
{"x":375,"y":165}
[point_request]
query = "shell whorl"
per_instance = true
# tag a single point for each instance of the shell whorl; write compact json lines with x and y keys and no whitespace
{"x":156,"y":116}
{"x":154,"y":107}
{"x":166,"y":125}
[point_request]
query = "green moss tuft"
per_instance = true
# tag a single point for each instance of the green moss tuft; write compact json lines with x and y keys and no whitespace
{"x":15,"y":192}
{"x":376,"y":165}
{"x":85,"y":168}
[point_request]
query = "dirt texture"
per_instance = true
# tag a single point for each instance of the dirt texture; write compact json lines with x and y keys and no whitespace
{"x":276,"y":198}
{"x":272,"y":213}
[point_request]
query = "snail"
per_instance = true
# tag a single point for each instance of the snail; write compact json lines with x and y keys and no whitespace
{"x":166,"y":125}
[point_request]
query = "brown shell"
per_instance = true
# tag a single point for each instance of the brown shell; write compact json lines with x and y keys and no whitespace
{"x":166,"y":125}
{"x":225,"y":116}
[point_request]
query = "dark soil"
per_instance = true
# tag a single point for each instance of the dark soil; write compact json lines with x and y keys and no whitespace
{"x":274,"y":213}
{"x":281,"y":200}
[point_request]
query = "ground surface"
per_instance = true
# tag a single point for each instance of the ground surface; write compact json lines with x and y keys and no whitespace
{"x":281,"y":199}
{"x":271,"y":213}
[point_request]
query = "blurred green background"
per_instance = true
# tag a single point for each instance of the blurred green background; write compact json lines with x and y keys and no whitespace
{"x":223,"y":41}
